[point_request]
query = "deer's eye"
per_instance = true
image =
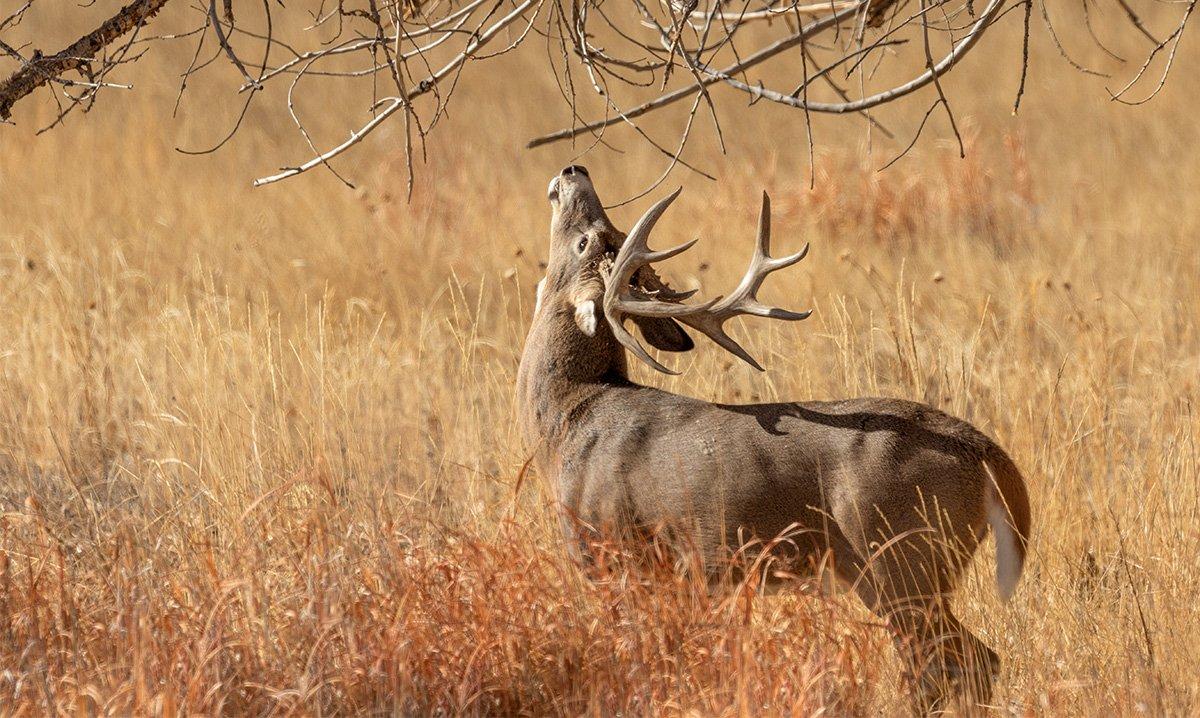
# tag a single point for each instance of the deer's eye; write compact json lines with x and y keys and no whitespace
{"x":583,"y":242}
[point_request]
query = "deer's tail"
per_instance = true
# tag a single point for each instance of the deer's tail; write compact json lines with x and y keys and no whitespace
{"x":1007,"y":503}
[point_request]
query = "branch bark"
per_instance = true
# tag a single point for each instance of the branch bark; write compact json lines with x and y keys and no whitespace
{"x":39,"y":70}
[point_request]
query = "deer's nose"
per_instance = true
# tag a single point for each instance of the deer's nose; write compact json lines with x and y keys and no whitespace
{"x":573,"y":170}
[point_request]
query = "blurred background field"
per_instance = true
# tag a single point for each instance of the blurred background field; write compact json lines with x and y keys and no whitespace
{"x":257,"y":452}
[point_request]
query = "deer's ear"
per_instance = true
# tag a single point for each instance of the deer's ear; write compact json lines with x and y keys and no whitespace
{"x":664,"y":333}
{"x":585,"y":317}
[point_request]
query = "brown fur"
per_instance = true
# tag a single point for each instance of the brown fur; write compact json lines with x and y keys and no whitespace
{"x":892,"y":493}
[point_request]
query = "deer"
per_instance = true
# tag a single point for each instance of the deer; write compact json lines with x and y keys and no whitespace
{"x":892,"y":497}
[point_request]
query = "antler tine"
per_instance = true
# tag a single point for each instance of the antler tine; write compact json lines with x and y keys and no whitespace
{"x":633,"y":254}
{"x":744,"y":299}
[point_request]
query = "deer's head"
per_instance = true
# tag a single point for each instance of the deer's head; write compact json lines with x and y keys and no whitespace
{"x":583,"y":245}
{"x":604,"y":277}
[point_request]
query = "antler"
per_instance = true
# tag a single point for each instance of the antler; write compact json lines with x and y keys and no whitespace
{"x":622,"y":299}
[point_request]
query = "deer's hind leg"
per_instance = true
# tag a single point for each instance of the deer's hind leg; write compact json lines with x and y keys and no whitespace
{"x":908,"y":581}
{"x":944,"y":660}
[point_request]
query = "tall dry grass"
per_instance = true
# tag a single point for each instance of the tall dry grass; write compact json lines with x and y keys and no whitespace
{"x":256,"y":447}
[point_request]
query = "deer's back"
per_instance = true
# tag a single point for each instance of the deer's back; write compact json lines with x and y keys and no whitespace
{"x":636,"y":456}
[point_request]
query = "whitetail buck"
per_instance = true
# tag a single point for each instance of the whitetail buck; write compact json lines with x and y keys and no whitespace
{"x":892,"y":495}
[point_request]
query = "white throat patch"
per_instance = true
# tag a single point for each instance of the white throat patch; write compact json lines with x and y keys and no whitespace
{"x":585,"y":317}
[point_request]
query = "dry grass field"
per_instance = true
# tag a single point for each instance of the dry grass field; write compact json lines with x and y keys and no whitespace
{"x":257,"y":447}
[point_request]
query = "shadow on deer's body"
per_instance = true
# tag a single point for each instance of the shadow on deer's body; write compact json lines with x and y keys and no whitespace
{"x":894,"y":495}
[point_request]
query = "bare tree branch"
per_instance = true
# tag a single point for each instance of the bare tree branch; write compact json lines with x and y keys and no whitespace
{"x":40,"y":69}
{"x":397,"y":103}
{"x":712,"y":78}
{"x":621,"y":60}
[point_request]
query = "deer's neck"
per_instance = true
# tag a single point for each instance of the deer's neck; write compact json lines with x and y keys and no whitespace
{"x":561,"y":369}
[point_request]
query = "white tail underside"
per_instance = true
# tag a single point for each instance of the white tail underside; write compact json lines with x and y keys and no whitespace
{"x":1008,"y":556}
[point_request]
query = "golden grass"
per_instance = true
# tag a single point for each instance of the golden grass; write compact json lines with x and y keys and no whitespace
{"x":256,"y":447}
